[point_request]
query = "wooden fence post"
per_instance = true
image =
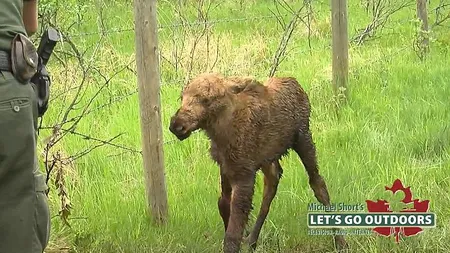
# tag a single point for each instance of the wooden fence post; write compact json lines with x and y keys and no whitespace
{"x":148,"y":80}
{"x":340,"y":47}
{"x":423,"y":17}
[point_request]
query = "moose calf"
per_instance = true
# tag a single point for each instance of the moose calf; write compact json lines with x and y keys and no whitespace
{"x":251,"y":126}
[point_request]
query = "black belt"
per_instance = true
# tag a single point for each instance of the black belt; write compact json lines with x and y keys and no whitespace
{"x":5,"y":64}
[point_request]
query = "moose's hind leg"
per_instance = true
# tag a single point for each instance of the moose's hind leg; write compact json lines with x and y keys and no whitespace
{"x":272,"y":175}
{"x":306,"y":150}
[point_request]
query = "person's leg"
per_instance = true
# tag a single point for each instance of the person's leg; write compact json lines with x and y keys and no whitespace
{"x":42,"y":213}
{"x":20,"y":219}
{"x":17,"y":159}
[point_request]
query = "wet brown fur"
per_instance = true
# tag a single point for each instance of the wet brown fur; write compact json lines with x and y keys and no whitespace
{"x":250,"y":126}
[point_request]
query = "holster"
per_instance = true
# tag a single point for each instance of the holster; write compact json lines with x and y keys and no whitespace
{"x":42,"y":82}
{"x":24,"y":58}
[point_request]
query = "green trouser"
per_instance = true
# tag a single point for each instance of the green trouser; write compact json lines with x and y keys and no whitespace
{"x":24,"y":211}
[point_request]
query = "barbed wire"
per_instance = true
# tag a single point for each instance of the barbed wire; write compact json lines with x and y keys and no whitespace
{"x":183,"y":24}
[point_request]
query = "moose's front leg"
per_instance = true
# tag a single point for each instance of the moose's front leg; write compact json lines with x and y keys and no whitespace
{"x":242,"y":185}
{"x":224,"y":199}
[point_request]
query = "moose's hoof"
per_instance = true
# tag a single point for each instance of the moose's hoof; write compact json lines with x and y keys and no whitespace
{"x":251,"y":242}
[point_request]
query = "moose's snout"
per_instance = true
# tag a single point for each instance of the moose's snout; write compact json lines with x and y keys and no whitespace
{"x":178,"y":128}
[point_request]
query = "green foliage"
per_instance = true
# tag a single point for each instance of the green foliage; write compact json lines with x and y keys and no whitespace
{"x":395,"y":125}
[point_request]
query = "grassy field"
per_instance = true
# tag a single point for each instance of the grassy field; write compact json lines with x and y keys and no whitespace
{"x":395,"y":125}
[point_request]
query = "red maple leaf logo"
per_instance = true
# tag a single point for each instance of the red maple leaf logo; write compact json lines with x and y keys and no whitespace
{"x":385,"y":206}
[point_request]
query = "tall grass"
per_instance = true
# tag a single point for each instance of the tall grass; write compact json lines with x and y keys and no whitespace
{"x":395,"y":125}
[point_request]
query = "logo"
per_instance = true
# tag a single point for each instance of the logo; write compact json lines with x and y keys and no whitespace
{"x":396,"y":214}
{"x":402,"y":202}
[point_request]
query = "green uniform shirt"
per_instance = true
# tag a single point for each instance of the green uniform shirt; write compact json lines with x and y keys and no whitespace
{"x":11,"y":22}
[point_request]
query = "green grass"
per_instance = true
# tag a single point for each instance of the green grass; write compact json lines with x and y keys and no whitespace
{"x":395,"y":125}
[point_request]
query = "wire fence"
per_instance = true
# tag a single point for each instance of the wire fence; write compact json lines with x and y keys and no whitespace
{"x":178,"y":25}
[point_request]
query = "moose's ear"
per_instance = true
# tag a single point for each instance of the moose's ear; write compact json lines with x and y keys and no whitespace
{"x":236,"y":88}
{"x":238,"y":84}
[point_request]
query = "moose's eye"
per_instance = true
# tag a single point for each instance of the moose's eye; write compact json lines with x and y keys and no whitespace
{"x":204,"y":100}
